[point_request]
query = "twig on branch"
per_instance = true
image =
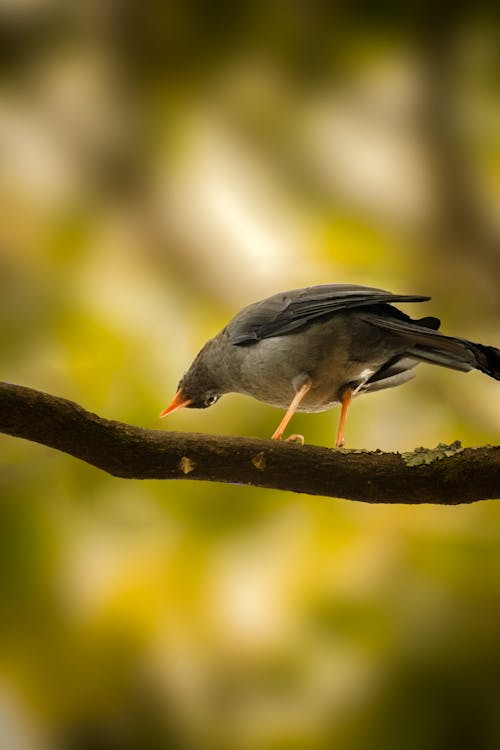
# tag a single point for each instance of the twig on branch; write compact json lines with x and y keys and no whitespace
{"x":447,"y":475}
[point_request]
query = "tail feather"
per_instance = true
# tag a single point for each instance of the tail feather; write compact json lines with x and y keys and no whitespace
{"x":435,"y":356}
{"x":459,"y":354}
{"x":488,"y":360}
{"x":427,"y":345}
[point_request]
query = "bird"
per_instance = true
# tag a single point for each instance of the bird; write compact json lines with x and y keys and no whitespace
{"x":310,"y":349}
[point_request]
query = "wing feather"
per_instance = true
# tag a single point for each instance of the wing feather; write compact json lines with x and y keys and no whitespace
{"x":286,"y":312}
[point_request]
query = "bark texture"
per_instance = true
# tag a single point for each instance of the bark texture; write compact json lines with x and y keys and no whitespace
{"x":447,"y":475}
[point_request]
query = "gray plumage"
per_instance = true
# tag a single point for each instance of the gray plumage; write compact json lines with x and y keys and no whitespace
{"x":333,"y":338}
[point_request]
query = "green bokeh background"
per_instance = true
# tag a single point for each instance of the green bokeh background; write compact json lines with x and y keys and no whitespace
{"x":164,"y":164}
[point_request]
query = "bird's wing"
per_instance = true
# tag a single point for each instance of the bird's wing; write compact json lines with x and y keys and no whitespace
{"x":286,"y":312}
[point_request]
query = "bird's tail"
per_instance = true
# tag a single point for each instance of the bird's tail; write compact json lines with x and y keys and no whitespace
{"x":459,"y":354}
{"x":427,"y":345}
{"x":488,"y":360}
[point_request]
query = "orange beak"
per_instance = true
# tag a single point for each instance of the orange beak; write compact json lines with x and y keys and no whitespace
{"x":178,"y":402}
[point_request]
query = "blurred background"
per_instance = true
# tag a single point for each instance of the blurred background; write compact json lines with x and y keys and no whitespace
{"x":162,"y":165}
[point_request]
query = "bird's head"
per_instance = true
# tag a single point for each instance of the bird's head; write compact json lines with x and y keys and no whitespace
{"x":199,"y":398}
{"x":197,"y":389}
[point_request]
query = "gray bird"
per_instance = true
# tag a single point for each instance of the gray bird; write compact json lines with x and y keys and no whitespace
{"x":310,"y":349}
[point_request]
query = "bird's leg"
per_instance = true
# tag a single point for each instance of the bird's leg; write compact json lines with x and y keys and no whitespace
{"x":291,"y":411}
{"x":345,"y":400}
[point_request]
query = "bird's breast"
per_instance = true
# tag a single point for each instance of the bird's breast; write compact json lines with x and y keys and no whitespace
{"x":272,"y":370}
{"x":324,"y":354}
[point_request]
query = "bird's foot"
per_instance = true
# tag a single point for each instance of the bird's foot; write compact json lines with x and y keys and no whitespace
{"x":295,"y":438}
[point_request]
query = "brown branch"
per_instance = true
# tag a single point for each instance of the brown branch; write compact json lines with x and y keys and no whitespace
{"x":447,"y":475}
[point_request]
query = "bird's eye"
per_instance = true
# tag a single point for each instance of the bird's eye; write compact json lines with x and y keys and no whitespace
{"x":211,"y":399}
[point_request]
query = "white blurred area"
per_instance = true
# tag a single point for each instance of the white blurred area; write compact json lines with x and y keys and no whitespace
{"x":235,"y":225}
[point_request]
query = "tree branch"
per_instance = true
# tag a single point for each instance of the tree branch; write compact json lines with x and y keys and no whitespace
{"x":447,"y":475}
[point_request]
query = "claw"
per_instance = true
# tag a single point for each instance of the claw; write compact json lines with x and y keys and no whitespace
{"x":295,"y":438}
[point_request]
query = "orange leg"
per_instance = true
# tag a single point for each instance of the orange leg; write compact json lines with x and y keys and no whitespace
{"x":346,"y":402}
{"x":290,"y":411}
